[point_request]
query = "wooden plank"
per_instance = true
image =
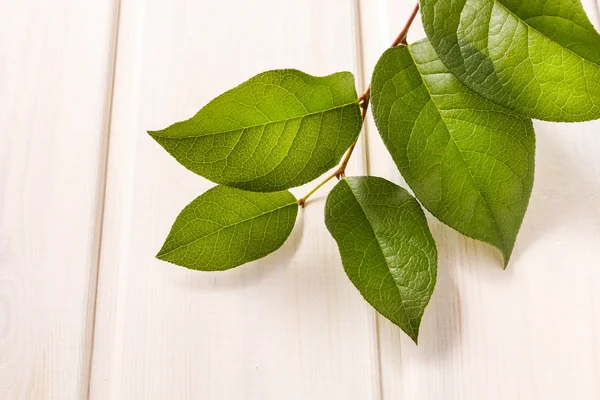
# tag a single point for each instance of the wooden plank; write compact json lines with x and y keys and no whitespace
{"x":530,"y":332}
{"x":289,"y":326}
{"x":56,"y":80}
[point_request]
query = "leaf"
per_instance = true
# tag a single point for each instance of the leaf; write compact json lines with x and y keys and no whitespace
{"x":226,"y":227}
{"x":469,"y":161}
{"x":540,"y":58}
{"x":278,"y":130}
{"x":386,"y":247}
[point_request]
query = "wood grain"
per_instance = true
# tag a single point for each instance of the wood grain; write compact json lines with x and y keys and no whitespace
{"x":530,"y":332}
{"x":56,"y":63}
{"x":289,"y":326}
{"x":87,"y":197}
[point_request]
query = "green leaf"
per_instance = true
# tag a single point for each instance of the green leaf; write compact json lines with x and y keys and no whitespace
{"x":226,"y":227}
{"x":386,"y":247}
{"x":469,"y":161}
{"x":540,"y":58}
{"x":278,"y":130}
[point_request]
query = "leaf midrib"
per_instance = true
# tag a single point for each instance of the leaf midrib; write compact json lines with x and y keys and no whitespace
{"x":285,"y":120}
{"x":413,"y":330}
{"x":227,"y":227}
{"x":442,"y":118}
{"x":541,"y":33}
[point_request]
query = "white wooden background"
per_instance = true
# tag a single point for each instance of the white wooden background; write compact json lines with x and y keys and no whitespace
{"x":86,"y":198}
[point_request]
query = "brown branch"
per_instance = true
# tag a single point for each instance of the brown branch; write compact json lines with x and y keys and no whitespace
{"x":363,"y":102}
{"x":401,"y":38}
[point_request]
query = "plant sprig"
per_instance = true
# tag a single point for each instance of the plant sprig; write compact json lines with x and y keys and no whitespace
{"x":453,"y":110}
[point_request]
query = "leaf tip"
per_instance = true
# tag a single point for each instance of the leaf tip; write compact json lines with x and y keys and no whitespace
{"x":506,"y":253}
{"x":413,"y":332}
{"x":153,"y":134}
{"x":415,"y":337}
{"x":161,"y":254}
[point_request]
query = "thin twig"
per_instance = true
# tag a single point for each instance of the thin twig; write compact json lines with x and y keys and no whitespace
{"x":401,"y":38}
{"x":363,"y":102}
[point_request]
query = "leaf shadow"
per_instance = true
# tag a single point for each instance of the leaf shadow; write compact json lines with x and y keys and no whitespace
{"x":566,"y":191}
{"x":440,"y":331}
{"x":566,"y":195}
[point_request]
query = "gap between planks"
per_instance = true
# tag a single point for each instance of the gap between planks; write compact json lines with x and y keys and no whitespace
{"x":100,"y":199}
{"x":363,"y":161}
{"x":363,"y":82}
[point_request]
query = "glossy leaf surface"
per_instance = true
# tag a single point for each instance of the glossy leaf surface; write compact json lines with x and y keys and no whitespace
{"x":540,"y":58}
{"x":469,"y":161}
{"x":386,"y":247}
{"x":278,"y":130}
{"x":226,"y":227}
